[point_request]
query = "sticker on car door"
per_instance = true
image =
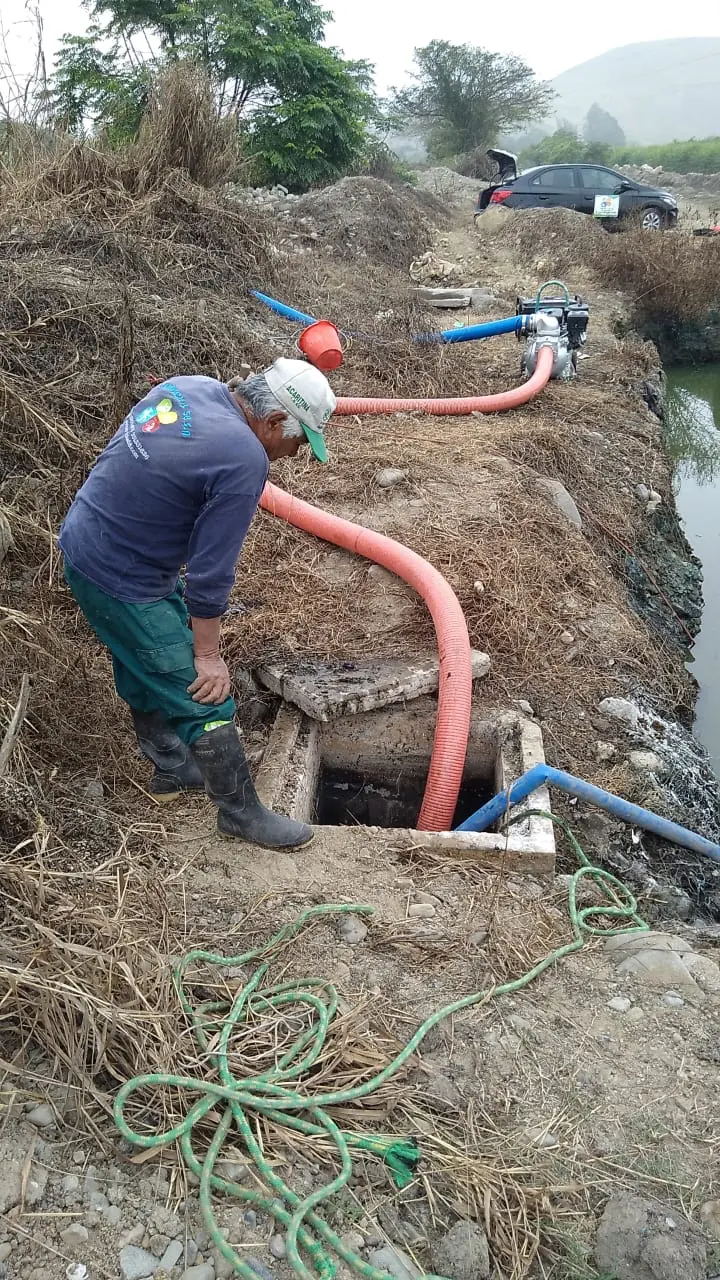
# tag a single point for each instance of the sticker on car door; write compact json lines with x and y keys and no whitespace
{"x":606,"y":207}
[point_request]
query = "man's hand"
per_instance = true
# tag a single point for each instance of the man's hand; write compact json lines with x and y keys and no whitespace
{"x":213,"y":681}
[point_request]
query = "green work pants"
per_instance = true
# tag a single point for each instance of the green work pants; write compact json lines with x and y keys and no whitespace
{"x":152,"y":655}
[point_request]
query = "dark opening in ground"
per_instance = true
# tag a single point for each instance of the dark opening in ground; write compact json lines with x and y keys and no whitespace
{"x":346,"y":798}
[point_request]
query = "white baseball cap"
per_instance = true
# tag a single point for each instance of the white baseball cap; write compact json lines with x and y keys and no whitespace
{"x":308,"y":397}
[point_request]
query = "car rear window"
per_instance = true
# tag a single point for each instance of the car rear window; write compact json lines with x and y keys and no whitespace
{"x":554,"y":179}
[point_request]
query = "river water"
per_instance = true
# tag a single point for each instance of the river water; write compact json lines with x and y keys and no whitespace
{"x":693,"y":439}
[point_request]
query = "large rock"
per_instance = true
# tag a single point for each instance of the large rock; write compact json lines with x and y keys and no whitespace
{"x":664,"y":960}
{"x":642,"y":1240}
{"x":560,"y":499}
{"x":463,"y":1253}
{"x":621,"y":709}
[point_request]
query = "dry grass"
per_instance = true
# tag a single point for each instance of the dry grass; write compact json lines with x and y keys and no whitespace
{"x":671,"y":277}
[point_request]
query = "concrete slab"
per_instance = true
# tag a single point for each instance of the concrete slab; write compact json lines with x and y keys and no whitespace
{"x":324,"y":690}
{"x":393,"y":744}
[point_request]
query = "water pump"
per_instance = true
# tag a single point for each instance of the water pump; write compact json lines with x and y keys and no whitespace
{"x":557,"y":322}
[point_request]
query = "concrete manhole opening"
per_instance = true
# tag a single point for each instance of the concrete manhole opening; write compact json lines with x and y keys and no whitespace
{"x":391,"y":798}
{"x":369,"y":770}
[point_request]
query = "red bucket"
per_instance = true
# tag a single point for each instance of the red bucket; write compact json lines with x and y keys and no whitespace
{"x":320,"y":342}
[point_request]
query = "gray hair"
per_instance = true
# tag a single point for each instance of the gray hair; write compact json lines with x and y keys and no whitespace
{"x":263,"y":402}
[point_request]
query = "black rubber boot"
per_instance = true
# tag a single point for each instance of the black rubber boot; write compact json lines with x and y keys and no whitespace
{"x":221,"y":758}
{"x":175,"y":768}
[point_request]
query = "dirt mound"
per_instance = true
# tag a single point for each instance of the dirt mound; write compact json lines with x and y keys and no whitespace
{"x":369,"y":220}
{"x":565,"y":238}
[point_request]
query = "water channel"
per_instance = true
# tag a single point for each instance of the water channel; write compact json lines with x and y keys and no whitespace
{"x":693,"y":439}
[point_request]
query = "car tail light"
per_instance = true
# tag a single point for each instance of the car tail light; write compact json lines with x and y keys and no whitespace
{"x":501,"y":194}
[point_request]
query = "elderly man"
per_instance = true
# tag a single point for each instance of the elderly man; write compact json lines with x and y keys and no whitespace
{"x":178,"y":485}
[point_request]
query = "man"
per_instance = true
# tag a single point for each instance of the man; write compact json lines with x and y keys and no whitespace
{"x":178,"y":485}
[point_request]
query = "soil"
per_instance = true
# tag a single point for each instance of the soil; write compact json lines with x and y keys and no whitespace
{"x":552,"y":1099}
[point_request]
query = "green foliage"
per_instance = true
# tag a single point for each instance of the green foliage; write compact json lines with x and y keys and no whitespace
{"x":565,"y":147}
{"x":303,"y":111}
{"x":464,"y":97}
{"x":600,"y":126}
{"x":93,"y":83}
{"x":317,"y":130}
{"x":693,"y":156}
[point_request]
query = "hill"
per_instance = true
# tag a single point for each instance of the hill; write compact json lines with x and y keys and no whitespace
{"x":658,"y":91}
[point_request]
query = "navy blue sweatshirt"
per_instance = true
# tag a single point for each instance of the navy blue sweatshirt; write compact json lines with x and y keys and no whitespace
{"x":178,"y":484}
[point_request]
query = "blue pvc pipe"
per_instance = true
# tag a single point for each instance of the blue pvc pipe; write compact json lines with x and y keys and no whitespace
{"x":623,"y":809}
{"x":288,"y":312}
{"x":468,"y":333}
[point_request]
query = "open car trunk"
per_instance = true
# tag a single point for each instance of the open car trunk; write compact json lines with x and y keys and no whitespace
{"x":507,"y":172}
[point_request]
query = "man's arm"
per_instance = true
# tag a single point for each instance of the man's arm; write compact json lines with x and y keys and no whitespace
{"x":213,"y":678}
{"x":214,"y":548}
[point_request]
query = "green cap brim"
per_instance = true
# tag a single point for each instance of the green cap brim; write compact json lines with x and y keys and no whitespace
{"x":316,"y":440}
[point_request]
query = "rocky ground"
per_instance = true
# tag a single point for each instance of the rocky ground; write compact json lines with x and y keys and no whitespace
{"x":568,"y":1130}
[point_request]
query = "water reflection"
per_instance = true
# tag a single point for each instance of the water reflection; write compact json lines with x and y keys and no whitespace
{"x":692,"y":426}
{"x":691,"y":433}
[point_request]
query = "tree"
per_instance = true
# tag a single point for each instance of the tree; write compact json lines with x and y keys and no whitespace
{"x":303,"y":110}
{"x":600,"y":126}
{"x":564,"y":146}
{"x":464,"y":96}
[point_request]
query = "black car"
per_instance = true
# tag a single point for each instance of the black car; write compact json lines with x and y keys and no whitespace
{"x":578,"y":187}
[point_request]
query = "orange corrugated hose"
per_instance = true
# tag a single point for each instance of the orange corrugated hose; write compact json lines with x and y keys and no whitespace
{"x":455,"y":690}
{"x":459,"y":404}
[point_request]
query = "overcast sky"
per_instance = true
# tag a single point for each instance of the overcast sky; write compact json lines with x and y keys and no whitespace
{"x":386,"y":31}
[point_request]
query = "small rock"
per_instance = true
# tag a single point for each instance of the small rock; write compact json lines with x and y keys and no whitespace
{"x":172,"y":1255}
{"x":250,"y":1219}
{"x":158,"y":1245}
{"x":620,"y":709}
{"x":561,"y":499}
{"x":636,"y":1014}
{"x":642,"y":493}
{"x":79,"y":1157}
{"x":648,"y":762}
{"x":71,"y":1184}
{"x":421,"y":911}
{"x":442,"y":1094}
{"x":42,"y":1117}
{"x":388,"y":477}
{"x":352,"y":930}
{"x":542,"y":1138}
{"x":354,"y":1241}
{"x":396,"y":1262}
{"x":523,"y":705}
{"x":113,"y":1215}
{"x":673,"y":999}
{"x":277,"y":1247}
{"x":654,"y":501}
{"x":5,"y":1251}
{"x":710,"y":1217}
{"x":134,"y":1236}
{"x":478,"y":938}
{"x":137,"y":1264}
{"x":620,"y":1004}
{"x":75,"y":1236}
{"x":204,"y":1272}
{"x":93,"y":791}
{"x":567,"y":637}
{"x":604,"y":751}
{"x":463,"y":1253}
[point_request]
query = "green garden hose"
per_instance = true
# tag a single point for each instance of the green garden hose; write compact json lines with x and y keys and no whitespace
{"x":272,"y":1094}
